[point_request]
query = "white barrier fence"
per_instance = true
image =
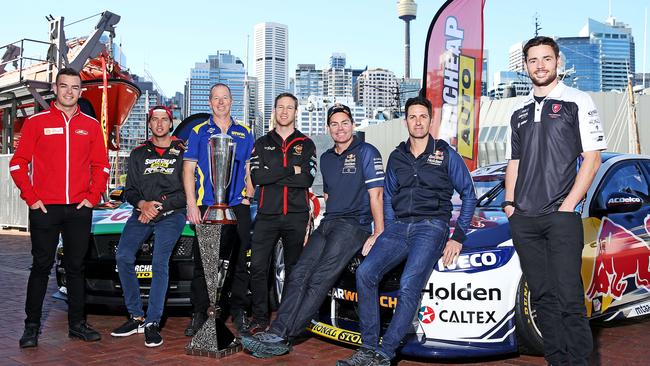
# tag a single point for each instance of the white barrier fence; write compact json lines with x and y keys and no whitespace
{"x":13,"y":210}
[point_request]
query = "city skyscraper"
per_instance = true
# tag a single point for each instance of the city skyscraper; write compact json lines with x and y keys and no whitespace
{"x":516,"y":57}
{"x":309,"y":81}
{"x":377,"y":88}
{"x":133,"y":131}
{"x":601,"y":57}
{"x":337,"y":79}
{"x":271,"y":54}
{"x":220,"y":68}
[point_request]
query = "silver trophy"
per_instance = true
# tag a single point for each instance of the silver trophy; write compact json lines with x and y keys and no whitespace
{"x":214,"y":339}
{"x":221,"y":149}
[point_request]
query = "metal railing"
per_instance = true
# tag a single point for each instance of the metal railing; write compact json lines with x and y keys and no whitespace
{"x":18,"y":62}
{"x":13,"y":210}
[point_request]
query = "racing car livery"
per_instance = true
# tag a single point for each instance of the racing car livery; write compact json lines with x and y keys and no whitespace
{"x":481,"y":305}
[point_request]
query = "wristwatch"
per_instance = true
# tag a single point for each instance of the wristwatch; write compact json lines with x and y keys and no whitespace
{"x":249,"y":198}
{"x":504,"y":204}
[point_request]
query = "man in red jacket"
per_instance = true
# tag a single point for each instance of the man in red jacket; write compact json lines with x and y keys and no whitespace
{"x":69,"y":170}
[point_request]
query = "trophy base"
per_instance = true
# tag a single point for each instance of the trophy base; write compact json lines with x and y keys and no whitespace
{"x":213,"y":340}
{"x":219,"y":214}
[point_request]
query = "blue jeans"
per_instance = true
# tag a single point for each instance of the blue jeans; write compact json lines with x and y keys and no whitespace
{"x":321,"y":262}
{"x":421,"y":244}
{"x":166,"y":234}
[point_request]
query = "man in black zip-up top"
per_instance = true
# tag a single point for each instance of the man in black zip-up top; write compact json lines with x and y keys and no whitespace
{"x":283,"y":165}
{"x":421,"y":176}
{"x":154,"y":187}
{"x":550,"y":130}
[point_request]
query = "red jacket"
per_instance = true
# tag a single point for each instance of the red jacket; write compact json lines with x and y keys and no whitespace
{"x":68,"y":159}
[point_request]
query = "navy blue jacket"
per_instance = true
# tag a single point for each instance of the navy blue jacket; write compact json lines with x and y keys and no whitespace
{"x":421,"y":188}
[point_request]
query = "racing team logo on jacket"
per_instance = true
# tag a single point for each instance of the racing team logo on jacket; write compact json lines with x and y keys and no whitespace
{"x":621,"y":257}
{"x":350,"y":164}
{"x":81,"y":132}
{"x":436,"y":158}
{"x":297,"y":150}
{"x":556,"y":107}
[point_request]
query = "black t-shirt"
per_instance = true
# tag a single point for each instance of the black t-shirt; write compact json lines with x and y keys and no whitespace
{"x":547,"y":137}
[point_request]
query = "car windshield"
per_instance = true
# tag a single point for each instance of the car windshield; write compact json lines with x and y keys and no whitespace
{"x":489,"y":190}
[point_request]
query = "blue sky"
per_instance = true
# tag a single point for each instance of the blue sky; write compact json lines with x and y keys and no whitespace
{"x":168,"y":37}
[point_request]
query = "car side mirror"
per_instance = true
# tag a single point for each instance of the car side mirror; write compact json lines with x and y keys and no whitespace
{"x":619,"y":202}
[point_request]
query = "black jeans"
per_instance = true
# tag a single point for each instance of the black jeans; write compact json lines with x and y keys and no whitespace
{"x":45,"y":228}
{"x":292,"y":228}
{"x":550,"y":253}
{"x":241,"y":279}
{"x":327,"y":253}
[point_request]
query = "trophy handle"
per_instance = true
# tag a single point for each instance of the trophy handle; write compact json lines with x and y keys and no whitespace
{"x":232,"y":161}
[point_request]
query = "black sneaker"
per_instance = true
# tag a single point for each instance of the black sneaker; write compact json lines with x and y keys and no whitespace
{"x":132,"y":326}
{"x":240,"y":320}
{"x":152,"y":337}
{"x":195,"y":323}
{"x":362,"y":357}
{"x":84,"y":332}
{"x":30,"y":336}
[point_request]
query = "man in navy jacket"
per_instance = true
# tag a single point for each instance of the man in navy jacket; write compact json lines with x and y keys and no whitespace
{"x":421,"y":177}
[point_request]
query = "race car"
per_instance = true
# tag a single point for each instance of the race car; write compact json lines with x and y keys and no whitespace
{"x":481,"y":305}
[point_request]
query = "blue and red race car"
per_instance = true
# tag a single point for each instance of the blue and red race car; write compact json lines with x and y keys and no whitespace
{"x":481,"y":305}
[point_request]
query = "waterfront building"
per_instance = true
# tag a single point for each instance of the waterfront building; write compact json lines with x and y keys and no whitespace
{"x":271,"y":55}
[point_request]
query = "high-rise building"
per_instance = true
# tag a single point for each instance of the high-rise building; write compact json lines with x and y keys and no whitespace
{"x":408,"y":88}
{"x":271,"y":53}
{"x":516,"y":57}
{"x":337,"y":60}
{"x":377,"y":88}
{"x":337,"y":79}
{"x":337,"y":82}
{"x":134,"y":130}
{"x":252,"y":116}
{"x":312,"y":113}
{"x":484,"y":74}
{"x":220,"y":68}
{"x":309,"y":81}
{"x":509,"y":84}
{"x":355,"y":76}
{"x":601,"y":57}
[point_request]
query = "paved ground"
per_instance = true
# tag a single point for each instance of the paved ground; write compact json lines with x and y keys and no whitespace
{"x":618,"y":345}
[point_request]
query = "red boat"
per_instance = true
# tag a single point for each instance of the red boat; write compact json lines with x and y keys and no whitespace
{"x":25,"y":83}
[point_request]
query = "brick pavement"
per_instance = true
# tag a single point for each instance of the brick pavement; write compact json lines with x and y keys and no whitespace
{"x":616,"y":345}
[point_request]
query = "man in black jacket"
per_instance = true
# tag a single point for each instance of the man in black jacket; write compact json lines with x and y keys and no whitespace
{"x":283,"y":164}
{"x":154,"y":187}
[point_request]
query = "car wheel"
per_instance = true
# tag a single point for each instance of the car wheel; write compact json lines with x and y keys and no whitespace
{"x":529,"y":338}
{"x":277,"y":277}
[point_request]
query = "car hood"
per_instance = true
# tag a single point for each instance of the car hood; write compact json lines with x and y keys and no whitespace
{"x":489,"y":227}
{"x":109,"y":220}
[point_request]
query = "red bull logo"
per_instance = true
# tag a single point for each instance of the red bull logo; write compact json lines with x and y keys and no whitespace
{"x":621,"y":255}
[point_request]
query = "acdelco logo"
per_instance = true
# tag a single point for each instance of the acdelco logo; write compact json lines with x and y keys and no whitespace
{"x":618,"y":200}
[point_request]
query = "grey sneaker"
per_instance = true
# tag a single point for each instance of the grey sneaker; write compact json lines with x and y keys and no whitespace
{"x":265,"y":344}
{"x":362,"y":357}
{"x":380,"y":360}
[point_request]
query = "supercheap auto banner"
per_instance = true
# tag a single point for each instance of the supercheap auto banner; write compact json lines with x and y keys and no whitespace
{"x":453,"y":65}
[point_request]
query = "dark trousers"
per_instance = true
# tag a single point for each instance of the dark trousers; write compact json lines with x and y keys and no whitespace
{"x":241,"y":279}
{"x":74,"y":225}
{"x":327,"y":253}
{"x":550,"y":253}
{"x":292,"y":228}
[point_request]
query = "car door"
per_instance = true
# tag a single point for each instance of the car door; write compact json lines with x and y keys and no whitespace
{"x":615,"y":270}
